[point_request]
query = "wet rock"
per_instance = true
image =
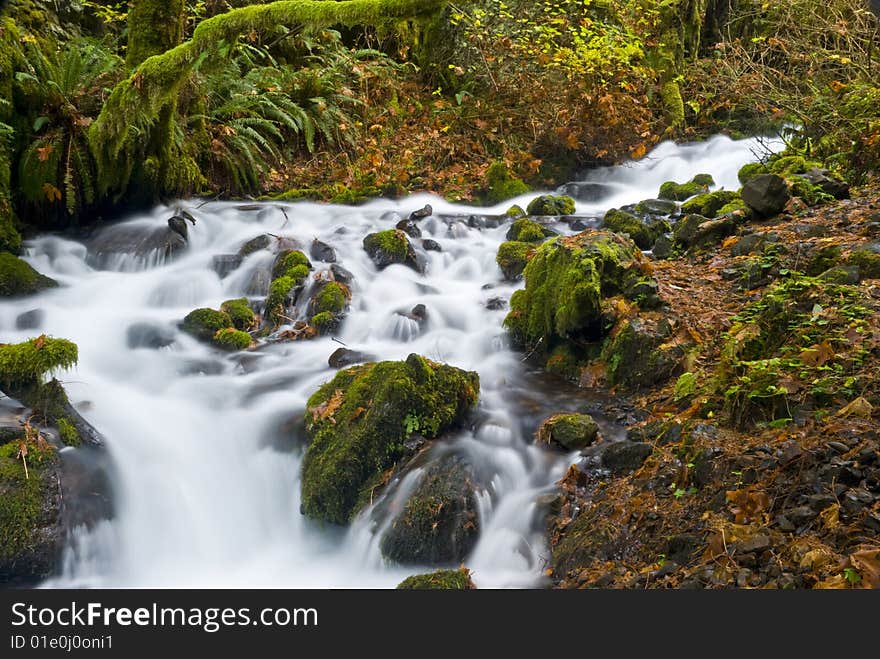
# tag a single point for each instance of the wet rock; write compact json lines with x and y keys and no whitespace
{"x":29,"y":320}
{"x":254,"y":245}
{"x":128,"y":247}
{"x":341,"y":275}
{"x":410,"y":228}
{"x":551,"y":205}
{"x":391,"y":247}
{"x":570,"y":432}
{"x":656,"y":207}
{"x":224,"y":264}
{"x":422,"y":213}
{"x":431,"y":245}
{"x":623,"y":457}
{"x":663,"y":247}
{"x":439,"y":523}
{"x":512,"y":258}
{"x":584,"y":191}
{"x":177,"y":224}
{"x":766,"y":194}
{"x":149,"y":335}
{"x":643,"y":232}
{"x":18,"y":278}
{"x":321,"y":251}
{"x":639,"y":353}
{"x":419,"y":313}
{"x":496,"y":303}
{"x":441,"y":580}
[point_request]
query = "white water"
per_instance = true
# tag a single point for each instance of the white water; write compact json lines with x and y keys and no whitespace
{"x":204,"y":495}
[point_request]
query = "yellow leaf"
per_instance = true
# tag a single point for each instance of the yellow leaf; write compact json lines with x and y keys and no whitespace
{"x":52,"y":193}
{"x":858,"y":407}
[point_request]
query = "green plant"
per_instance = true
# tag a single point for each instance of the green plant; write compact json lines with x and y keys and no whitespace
{"x":411,"y":423}
{"x":853,"y":578}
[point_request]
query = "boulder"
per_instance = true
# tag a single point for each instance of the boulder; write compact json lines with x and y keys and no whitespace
{"x":255,"y":245}
{"x":148,"y":335}
{"x":321,"y":251}
{"x":625,"y":456}
{"x":391,"y":247}
{"x":570,"y":432}
{"x":512,"y":258}
{"x":225,"y":264}
{"x":551,"y":205}
{"x":644,"y":233}
{"x":528,"y":231}
{"x":410,"y":228}
{"x":766,"y":194}
{"x":343,"y":357}
{"x":18,"y":278}
{"x":441,"y":580}
{"x":640,"y":352}
{"x":29,"y":320}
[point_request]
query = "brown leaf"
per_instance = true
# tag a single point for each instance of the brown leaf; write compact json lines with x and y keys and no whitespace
{"x":327,"y":409}
{"x":858,"y":407}
{"x":747,"y":505}
{"x":52,"y":193}
{"x":817,"y":355}
{"x":44,"y":152}
{"x":22,"y":450}
{"x":39,"y":342}
{"x":867,"y":562}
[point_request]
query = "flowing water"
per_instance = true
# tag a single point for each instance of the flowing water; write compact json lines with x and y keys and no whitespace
{"x":206,"y":477}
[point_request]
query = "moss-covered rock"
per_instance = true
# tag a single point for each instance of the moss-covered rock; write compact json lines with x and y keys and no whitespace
{"x":640,"y":352}
{"x":501,"y":185}
{"x":288,"y":262}
{"x":703,"y":179}
{"x":810,"y":194}
{"x":439,"y":523}
{"x":766,"y":194}
{"x":868,"y":261}
{"x":656,"y":207}
{"x":389,"y":247}
{"x":204,"y":323}
{"x":333,"y":298}
{"x":750,"y":170}
{"x":787,"y":165}
{"x":441,"y":580}
{"x":18,"y":278}
{"x":528,"y":231}
{"x":239,"y":311}
{"x":232,"y":339}
{"x":325,"y":322}
{"x":360,"y":420}
{"x":643,"y":233}
{"x":710,"y":203}
{"x":30,"y":361}
{"x":512,"y":258}
{"x":551,"y":205}
{"x":566,"y":283}
{"x":571,"y":432}
{"x":681,"y":191}
{"x":30,"y":502}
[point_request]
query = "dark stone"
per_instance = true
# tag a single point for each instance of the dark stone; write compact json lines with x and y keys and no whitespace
{"x":681,"y":548}
{"x":178,"y":225}
{"x":622,"y":457}
{"x":584,"y":191}
{"x":753,"y":544}
{"x":784,"y":524}
{"x":827,"y":182}
{"x":570,"y":432}
{"x":410,"y":228}
{"x":841,"y":275}
{"x":255,"y":245}
{"x":391,"y":247}
{"x":422,"y":213}
{"x":748,"y":244}
{"x":341,"y":275}
{"x":766,"y":194}
{"x":126,"y":247}
{"x":224,"y":264}
{"x":801,"y":515}
{"x":30,"y":319}
{"x":656,"y":207}
{"x":149,"y":335}
{"x":321,"y":251}
{"x":439,"y":523}
{"x":496,"y":304}
{"x":662,"y":247}
{"x":419,"y":313}
{"x":343,"y":357}
{"x":430,"y":245}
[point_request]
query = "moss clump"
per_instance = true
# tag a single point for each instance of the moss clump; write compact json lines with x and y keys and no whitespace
{"x":571,"y":432}
{"x":868,"y":262}
{"x":789,"y":165}
{"x":512,"y":258}
{"x":500,"y":185}
{"x":681,"y":191}
{"x":639,"y":353}
{"x":515,"y":211}
{"x":822,"y":258}
{"x":750,"y":170}
{"x":551,"y":205}
{"x":441,"y":580}
{"x":643,"y":234}
{"x":29,"y":362}
{"x":10,"y":239}
{"x":18,"y":278}
{"x":703,"y":179}
{"x":528,"y":231}
{"x":708,"y":204}
{"x":360,"y":420}
{"x":28,"y":511}
{"x":325,"y":322}
{"x":566,"y":282}
{"x":388,"y":247}
{"x":810,"y":194}
{"x":288,"y":261}
{"x":239,"y":311}
{"x":282,"y":287}
{"x":232,"y":339}
{"x":332,"y":298}
{"x":564,"y":361}
{"x":204,"y":323}
{"x":67,"y":431}
{"x":735,"y":206}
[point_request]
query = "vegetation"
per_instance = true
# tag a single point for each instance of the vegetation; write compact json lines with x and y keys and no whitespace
{"x":441,"y":580}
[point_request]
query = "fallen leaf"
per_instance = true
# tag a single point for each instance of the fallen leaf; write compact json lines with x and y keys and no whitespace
{"x":867,"y":562}
{"x":44,"y":152}
{"x":817,"y":355}
{"x":52,"y":193}
{"x":39,"y":342}
{"x":858,"y":407}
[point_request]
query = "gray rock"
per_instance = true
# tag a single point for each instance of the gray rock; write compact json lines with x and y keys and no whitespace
{"x":148,"y":335}
{"x":343,"y":357}
{"x":224,"y":264}
{"x":321,"y":251}
{"x":341,"y":275}
{"x":410,"y":228}
{"x":29,"y":320}
{"x":766,"y":194}
{"x":255,"y":245}
{"x":622,"y":457}
{"x":430,"y":245}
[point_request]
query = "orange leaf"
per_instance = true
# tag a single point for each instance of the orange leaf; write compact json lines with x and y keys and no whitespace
{"x":52,"y":193}
{"x":39,"y":342}
{"x":44,"y":152}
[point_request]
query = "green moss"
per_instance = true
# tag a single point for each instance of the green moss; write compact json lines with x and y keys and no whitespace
{"x":239,"y":311}
{"x":703,"y":179}
{"x":822,"y":258}
{"x":392,"y":243}
{"x":564,"y":361}
{"x":708,"y":204}
{"x":571,"y":432}
{"x":868,"y":262}
{"x":735,"y":206}
{"x":232,"y":339}
{"x":324,"y":322}
{"x":551,"y":205}
{"x":528,"y":231}
{"x":787,"y":165}
{"x":360,"y":420}
{"x":18,"y":278}
{"x":512,"y":258}
{"x":670,"y":93}
{"x":811,"y":195}
{"x":290,"y":262}
{"x":441,"y":580}
{"x":750,"y":170}
{"x":643,"y":234}
{"x":680,"y":191}
{"x":333,"y":298}
{"x":154,"y":26}
{"x":23,"y":503}
{"x":566,"y":282}
{"x":638,"y":353}
{"x":276,"y":301}
{"x":501,"y":185}
{"x":515,"y":212}
{"x":29,"y":362}
{"x":68,"y":432}
{"x":203,"y":323}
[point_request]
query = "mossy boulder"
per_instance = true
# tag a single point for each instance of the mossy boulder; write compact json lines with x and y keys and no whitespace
{"x":325,"y":322}
{"x":766,"y":194}
{"x":788,"y":165}
{"x":390,"y":247}
{"x":30,"y":505}
{"x":551,"y":205}
{"x":288,"y":261}
{"x":868,"y":261}
{"x":29,"y":362}
{"x":18,"y":278}
{"x":709,"y":204}
{"x":703,"y":179}
{"x":333,"y":297}
{"x":528,"y":231}
{"x":512,"y":258}
{"x":640,"y":352}
{"x":240,"y":312}
{"x":567,"y":281}
{"x":359,"y":423}
{"x":204,"y":323}
{"x":680,"y":191}
{"x":750,"y":170}
{"x":232,"y":339}
{"x":10,"y":238}
{"x":289,"y":274}
{"x":809,"y":193}
{"x":695,"y":231}
{"x":441,"y":580}
{"x":656,"y":207}
{"x":439,"y":523}
{"x":643,"y":233}
{"x":570,"y":432}
{"x":502,"y":185}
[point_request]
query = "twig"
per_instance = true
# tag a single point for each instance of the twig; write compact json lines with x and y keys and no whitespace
{"x":338,"y":341}
{"x":532,"y":352}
